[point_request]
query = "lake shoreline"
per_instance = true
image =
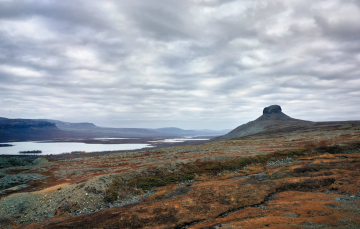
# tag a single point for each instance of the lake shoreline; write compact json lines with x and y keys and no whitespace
{"x":82,"y":153}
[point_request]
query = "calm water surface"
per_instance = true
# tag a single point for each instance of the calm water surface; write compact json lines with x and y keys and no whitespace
{"x":65,"y":147}
{"x":180,"y":140}
{"x":68,"y":147}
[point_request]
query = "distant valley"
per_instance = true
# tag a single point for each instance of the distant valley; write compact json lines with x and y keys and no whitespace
{"x":46,"y":129}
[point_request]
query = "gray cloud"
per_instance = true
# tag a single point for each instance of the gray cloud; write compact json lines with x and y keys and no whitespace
{"x":191,"y":64}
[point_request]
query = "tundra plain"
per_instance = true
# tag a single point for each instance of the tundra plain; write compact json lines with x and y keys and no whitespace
{"x":288,"y":177}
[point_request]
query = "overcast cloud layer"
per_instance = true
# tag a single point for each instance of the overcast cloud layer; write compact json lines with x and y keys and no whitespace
{"x":192,"y":64}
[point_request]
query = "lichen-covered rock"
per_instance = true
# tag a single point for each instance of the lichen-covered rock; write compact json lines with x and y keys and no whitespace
{"x":9,"y":181}
{"x":40,"y":161}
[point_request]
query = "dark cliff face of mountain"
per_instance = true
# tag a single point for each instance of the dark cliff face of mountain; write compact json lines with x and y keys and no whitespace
{"x":35,"y":130}
{"x":23,"y":124}
{"x":272,"y":119}
{"x":61,"y":124}
{"x":274,"y":112}
{"x":273,"y":109}
{"x":28,"y":129}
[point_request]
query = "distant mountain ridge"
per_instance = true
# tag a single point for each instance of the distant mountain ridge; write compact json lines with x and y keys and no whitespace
{"x":68,"y":124}
{"x":136,"y":132}
{"x":48,"y":129}
{"x":273,"y":118}
{"x":90,"y":128}
{"x":29,"y":129}
{"x":178,"y":131}
{"x":16,"y":124}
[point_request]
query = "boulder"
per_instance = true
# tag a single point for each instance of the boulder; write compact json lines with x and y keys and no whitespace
{"x":260,"y":176}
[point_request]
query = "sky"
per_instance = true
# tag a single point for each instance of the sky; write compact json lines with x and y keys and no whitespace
{"x":192,"y":64}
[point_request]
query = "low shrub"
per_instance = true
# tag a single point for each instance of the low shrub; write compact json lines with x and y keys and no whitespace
{"x":347,"y":149}
{"x":306,"y":185}
{"x":115,"y":187}
{"x":260,"y":159}
{"x":204,"y":167}
{"x":152,"y":181}
{"x":214,"y":167}
{"x":6,"y":162}
{"x":297,"y":152}
{"x":329,"y":149}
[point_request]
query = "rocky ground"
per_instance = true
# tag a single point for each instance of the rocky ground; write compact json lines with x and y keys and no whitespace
{"x":296,"y":179}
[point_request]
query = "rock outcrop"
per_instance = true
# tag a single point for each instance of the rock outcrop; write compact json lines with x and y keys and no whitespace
{"x":272,"y":109}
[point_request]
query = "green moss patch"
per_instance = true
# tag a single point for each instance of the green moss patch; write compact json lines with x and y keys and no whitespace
{"x":114,"y":190}
{"x":295,"y":152}
{"x":152,"y":181}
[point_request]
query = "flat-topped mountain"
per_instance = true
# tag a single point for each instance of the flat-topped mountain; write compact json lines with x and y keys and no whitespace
{"x":12,"y":124}
{"x":33,"y":129}
{"x":60,"y":124}
{"x":272,"y":118}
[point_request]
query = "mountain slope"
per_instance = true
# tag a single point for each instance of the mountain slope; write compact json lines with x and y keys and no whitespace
{"x":273,"y":118}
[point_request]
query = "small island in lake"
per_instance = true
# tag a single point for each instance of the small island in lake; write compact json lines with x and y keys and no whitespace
{"x":5,"y":145}
{"x":31,"y":152}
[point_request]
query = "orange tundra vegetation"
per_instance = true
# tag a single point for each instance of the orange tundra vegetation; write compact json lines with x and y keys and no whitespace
{"x":297,"y":179}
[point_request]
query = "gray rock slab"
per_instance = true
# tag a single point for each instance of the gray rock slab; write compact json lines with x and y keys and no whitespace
{"x":290,"y":215}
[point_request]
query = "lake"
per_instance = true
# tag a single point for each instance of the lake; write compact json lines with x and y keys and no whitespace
{"x":68,"y":147}
{"x":65,"y":147}
{"x":180,"y":140}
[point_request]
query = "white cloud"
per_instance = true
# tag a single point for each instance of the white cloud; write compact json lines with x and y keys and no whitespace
{"x":20,"y":71}
{"x":28,"y":29}
{"x":201,"y":63}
